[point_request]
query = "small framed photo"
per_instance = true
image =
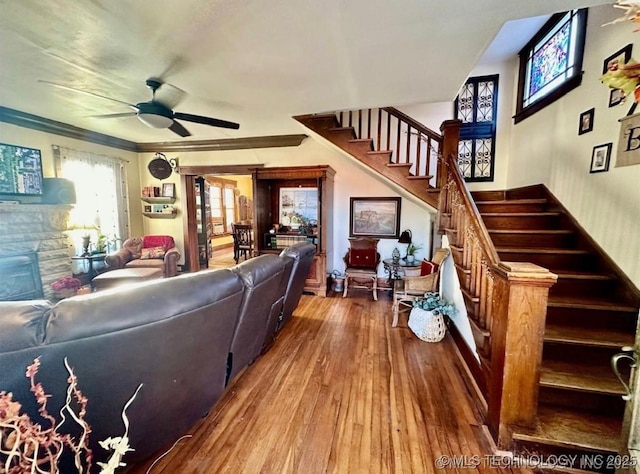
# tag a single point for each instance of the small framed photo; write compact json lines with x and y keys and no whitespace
{"x":147,"y":208}
{"x":600,"y":158}
{"x":616,"y":96}
{"x":169,"y":190}
{"x":157,"y":208}
{"x":586,"y":121}
{"x":621,"y":56}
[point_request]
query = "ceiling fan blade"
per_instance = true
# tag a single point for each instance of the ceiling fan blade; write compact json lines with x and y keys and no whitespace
{"x":73,"y":89}
{"x":168,"y":95}
{"x":107,"y":116}
{"x":206,"y":120}
{"x":179,"y":129}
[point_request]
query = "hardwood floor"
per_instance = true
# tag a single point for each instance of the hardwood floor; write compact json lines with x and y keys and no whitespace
{"x":341,"y":392}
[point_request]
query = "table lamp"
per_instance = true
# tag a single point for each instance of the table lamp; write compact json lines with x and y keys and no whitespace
{"x":405,"y":238}
{"x":80,"y":222}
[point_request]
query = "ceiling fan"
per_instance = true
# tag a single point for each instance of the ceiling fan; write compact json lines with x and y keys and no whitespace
{"x":157,"y":112}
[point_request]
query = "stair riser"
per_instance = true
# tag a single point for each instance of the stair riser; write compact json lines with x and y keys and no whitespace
{"x":517,"y":221}
{"x":610,"y":405}
{"x":572,"y":286}
{"x":484,"y":207}
{"x":532,"y":240}
{"x":592,"y":318}
{"x":597,"y":356}
{"x":525,"y":447}
{"x":552,"y":261}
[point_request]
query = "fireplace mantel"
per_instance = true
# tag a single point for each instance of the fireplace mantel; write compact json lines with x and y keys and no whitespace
{"x":38,"y":228}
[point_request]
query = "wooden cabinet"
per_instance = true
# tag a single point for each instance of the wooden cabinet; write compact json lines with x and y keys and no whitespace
{"x":296,"y":204}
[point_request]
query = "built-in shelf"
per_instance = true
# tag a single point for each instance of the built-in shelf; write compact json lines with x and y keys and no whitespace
{"x":161,"y":215}
{"x":159,"y":200}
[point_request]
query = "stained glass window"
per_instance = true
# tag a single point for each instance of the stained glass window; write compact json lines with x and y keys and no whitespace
{"x":476,"y":107}
{"x":551,"y":63}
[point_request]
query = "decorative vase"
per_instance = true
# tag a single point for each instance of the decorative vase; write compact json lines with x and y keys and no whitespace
{"x":410,"y":258}
{"x":395,"y":255}
{"x":426,"y":325}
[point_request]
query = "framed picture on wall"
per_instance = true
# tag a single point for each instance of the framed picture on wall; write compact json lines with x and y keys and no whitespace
{"x":600,"y":158}
{"x":377,"y":217}
{"x":169,"y":190}
{"x":621,"y":57}
{"x":586,"y":121}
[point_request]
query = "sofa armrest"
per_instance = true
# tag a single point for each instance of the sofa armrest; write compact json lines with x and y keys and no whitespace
{"x":171,"y":258}
{"x":118,"y":259}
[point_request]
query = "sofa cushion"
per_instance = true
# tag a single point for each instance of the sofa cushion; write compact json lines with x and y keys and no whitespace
{"x":23,"y":323}
{"x":145,"y":263}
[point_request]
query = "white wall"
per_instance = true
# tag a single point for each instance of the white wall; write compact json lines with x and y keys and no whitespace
{"x":352,"y":180}
{"x":27,"y":137}
{"x":546,"y":148}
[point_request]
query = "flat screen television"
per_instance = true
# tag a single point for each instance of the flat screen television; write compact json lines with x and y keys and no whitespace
{"x":20,"y":171}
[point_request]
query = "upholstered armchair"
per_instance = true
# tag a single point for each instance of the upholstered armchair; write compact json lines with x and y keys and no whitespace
{"x":361,"y":263}
{"x":150,"y":251}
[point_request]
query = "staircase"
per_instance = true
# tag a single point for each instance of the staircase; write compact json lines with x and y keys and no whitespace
{"x":591,"y":315}
{"x":387,"y":141}
{"x":575,"y":405}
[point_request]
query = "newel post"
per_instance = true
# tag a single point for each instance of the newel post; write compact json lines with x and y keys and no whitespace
{"x":519,"y":306}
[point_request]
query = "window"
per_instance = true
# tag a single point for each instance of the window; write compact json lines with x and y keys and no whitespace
{"x":551,"y":63}
{"x":223,"y":204}
{"x":476,"y":107}
{"x":101,"y":202}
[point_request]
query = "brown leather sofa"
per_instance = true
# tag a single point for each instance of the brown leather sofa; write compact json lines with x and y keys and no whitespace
{"x":183,"y":338}
{"x":150,"y":251}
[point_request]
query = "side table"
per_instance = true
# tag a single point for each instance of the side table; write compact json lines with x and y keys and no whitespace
{"x":395,"y":270}
{"x":95,"y":257}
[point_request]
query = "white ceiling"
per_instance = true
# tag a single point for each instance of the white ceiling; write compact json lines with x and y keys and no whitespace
{"x":253,"y":62}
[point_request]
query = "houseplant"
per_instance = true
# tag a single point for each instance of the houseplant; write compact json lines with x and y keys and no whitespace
{"x":412,"y":249}
{"x":426,"y":319}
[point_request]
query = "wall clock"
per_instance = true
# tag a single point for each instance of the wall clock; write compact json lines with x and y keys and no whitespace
{"x":160,"y":167}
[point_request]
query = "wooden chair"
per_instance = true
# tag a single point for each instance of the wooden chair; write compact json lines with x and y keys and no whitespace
{"x":405,"y":290}
{"x":361,"y":262}
{"x":242,"y":241}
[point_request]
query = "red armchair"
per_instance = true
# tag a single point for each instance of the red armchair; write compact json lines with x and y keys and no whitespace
{"x":150,"y":251}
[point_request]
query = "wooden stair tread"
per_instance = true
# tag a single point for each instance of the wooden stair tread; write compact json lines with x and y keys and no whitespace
{"x":380,"y":152}
{"x":342,"y":129}
{"x":520,"y":214}
{"x":545,"y":250}
{"x":578,"y":335}
{"x":584,"y":377}
{"x":398,"y":165}
{"x":566,"y":428}
{"x":531,"y":231}
{"x":574,"y":275}
{"x":427,"y":177}
{"x":587,"y":302}
{"x":361,"y":140}
{"x":513,"y":201}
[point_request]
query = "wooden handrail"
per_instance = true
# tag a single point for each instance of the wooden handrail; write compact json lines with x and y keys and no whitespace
{"x":376,"y":124}
{"x":505,"y":301}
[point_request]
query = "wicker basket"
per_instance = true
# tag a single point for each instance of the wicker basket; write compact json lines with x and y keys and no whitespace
{"x":427,"y":326}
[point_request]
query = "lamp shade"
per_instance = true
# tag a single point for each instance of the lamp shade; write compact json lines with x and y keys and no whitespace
{"x":405,"y":237}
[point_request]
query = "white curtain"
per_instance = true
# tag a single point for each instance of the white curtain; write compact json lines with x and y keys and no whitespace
{"x":101,"y":200}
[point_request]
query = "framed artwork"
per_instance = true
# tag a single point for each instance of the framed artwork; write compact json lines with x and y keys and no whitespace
{"x":169,"y":190}
{"x":147,"y":208}
{"x":621,"y":56}
{"x":616,"y":96}
{"x":600,"y":158}
{"x":377,"y":217}
{"x":298,"y":207}
{"x":628,"y":150}
{"x":586,"y":121}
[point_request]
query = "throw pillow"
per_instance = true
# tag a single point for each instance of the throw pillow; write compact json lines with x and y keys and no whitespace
{"x":362,"y":258}
{"x":152,"y":252}
{"x":427,"y":267}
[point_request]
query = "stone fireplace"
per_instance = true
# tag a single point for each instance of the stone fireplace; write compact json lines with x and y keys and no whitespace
{"x":39,"y":228}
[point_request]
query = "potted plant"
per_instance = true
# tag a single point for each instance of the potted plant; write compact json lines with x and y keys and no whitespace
{"x":412,"y":249}
{"x":426,"y":319}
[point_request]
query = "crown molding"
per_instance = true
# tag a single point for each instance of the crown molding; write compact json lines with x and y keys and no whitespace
{"x":35,"y":122}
